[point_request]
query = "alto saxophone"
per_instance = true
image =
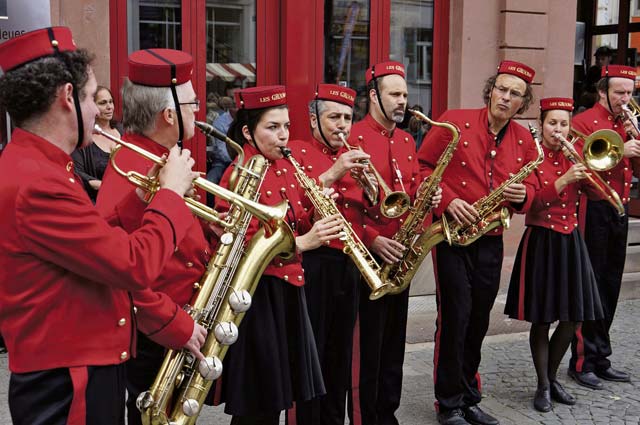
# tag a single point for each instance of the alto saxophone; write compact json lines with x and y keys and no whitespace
{"x":412,"y":233}
{"x":325,"y":206}
{"x":491,"y":211}
{"x":224,"y":295}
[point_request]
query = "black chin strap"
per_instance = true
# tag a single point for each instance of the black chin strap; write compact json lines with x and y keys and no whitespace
{"x":174,"y":94}
{"x":375,"y":82}
{"x":324,"y":139}
{"x":253,"y":140}
{"x":76,"y":96}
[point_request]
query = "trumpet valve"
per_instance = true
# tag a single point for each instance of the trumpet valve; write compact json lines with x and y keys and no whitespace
{"x":240,"y":301}
{"x":226,"y":333}
{"x":210,"y":368}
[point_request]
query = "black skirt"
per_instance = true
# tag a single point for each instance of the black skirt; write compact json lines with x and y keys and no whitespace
{"x":552,"y":279}
{"x":274,"y":362}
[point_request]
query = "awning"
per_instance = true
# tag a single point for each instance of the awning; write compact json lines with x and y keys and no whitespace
{"x":232,"y":71}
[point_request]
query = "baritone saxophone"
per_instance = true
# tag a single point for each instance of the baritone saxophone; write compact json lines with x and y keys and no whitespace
{"x":412,"y":235}
{"x":325,"y":206}
{"x":224,"y":295}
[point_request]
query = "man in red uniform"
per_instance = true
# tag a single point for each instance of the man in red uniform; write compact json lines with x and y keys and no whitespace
{"x":155,"y":121}
{"x":65,"y":272}
{"x":332,"y":279}
{"x":491,"y":147}
{"x":605,"y":232}
{"x":380,"y":335}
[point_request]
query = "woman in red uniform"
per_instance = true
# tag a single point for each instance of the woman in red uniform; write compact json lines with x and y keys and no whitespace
{"x":274,"y":362}
{"x":552,"y":278}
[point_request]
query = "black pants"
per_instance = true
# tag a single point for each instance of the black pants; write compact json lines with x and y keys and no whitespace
{"x":141,"y":372}
{"x":378,"y":358}
{"x":606,"y":239}
{"x":331,"y":289}
{"x":45,"y":397}
{"x":467,"y":282}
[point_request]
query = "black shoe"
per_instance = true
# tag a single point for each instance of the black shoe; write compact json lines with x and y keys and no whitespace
{"x":559,"y":394}
{"x":586,"y":379}
{"x":452,"y":417}
{"x":476,"y":416}
{"x":542,"y":400}
{"x":610,"y":374}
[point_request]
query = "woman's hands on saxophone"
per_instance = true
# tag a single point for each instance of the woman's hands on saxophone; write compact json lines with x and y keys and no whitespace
{"x":322,"y":232}
{"x":198,"y":337}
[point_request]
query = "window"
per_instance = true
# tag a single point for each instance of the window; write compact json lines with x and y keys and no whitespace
{"x":155,"y":24}
{"x":346,"y":47}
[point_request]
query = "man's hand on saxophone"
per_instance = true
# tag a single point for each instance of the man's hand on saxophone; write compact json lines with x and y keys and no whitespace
{"x":462,"y":212}
{"x":198,"y":337}
{"x":515,"y":193}
{"x":436,"y":198}
{"x":389,"y":250}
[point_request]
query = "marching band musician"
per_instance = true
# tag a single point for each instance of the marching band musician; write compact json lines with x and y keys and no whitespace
{"x":552,"y":279}
{"x":381,"y":330}
{"x":468,"y":278}
{"x":331,"y":278}
{"x":153,"y":123}
{"x":605,"y":232}
{"x":65,"y":310}
{"x":274,"y":362}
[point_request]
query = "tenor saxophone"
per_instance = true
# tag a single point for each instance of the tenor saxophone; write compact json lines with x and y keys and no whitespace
{"x":224,"y":295}
{"x":325,"y":206}
{"x":491,"y":210}
{"x":412,"y":234}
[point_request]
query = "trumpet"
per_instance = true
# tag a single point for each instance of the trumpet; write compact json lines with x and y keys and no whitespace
{"x":150,"y":184}
{"x":393,"y":204}
{"x":570,"y":152}
{"x":631,"y":111}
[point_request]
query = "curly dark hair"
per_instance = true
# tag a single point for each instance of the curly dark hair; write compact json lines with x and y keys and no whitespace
{"x":29,"y":91}
{"x":527,"y":99}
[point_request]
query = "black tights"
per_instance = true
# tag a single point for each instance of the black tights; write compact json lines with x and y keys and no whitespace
{"x":547,"y":354}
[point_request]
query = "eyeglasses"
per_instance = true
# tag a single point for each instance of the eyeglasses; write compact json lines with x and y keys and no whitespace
{"x":505,"y":90}
{"x":196,"y":103}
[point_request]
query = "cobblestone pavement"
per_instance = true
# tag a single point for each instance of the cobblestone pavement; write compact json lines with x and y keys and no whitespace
{"x":508,"y":380}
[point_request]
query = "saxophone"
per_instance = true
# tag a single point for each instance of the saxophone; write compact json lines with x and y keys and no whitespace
{"x":353,"y":246}
{"x":491,"y":213}
{"x":412,"y":233}
{"x":224,"y":295}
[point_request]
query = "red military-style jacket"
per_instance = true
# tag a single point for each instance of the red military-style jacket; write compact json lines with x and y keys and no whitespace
{"x":279,"y":185}
{"x":65,"y":272}
{"x":478,"y":166}
{"x":597,"y":118}
{"x":192,"y":254}
{"x":316,"y":158}
{"x":553,"y":210}
{"x":394,"y":156}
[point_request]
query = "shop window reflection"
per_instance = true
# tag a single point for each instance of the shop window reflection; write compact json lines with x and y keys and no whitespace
{"x":155,"y":24}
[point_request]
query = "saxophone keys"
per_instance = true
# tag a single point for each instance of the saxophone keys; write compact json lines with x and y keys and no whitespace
{"x":210,"y":368}
{"x":226,"y":333}
{"x":190,"y":407}
{"x":144,"y":400}
{"x":240,"y":301}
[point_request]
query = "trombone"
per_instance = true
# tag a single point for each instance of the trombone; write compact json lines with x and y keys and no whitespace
{"x":393,"y":204}
{"x":269,"y":216}
{"x":602,"y":151}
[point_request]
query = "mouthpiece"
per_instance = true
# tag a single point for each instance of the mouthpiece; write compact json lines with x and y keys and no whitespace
{"x":210,"y":130}
{"x":286,"y":152}
{"x":97,"y":129}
